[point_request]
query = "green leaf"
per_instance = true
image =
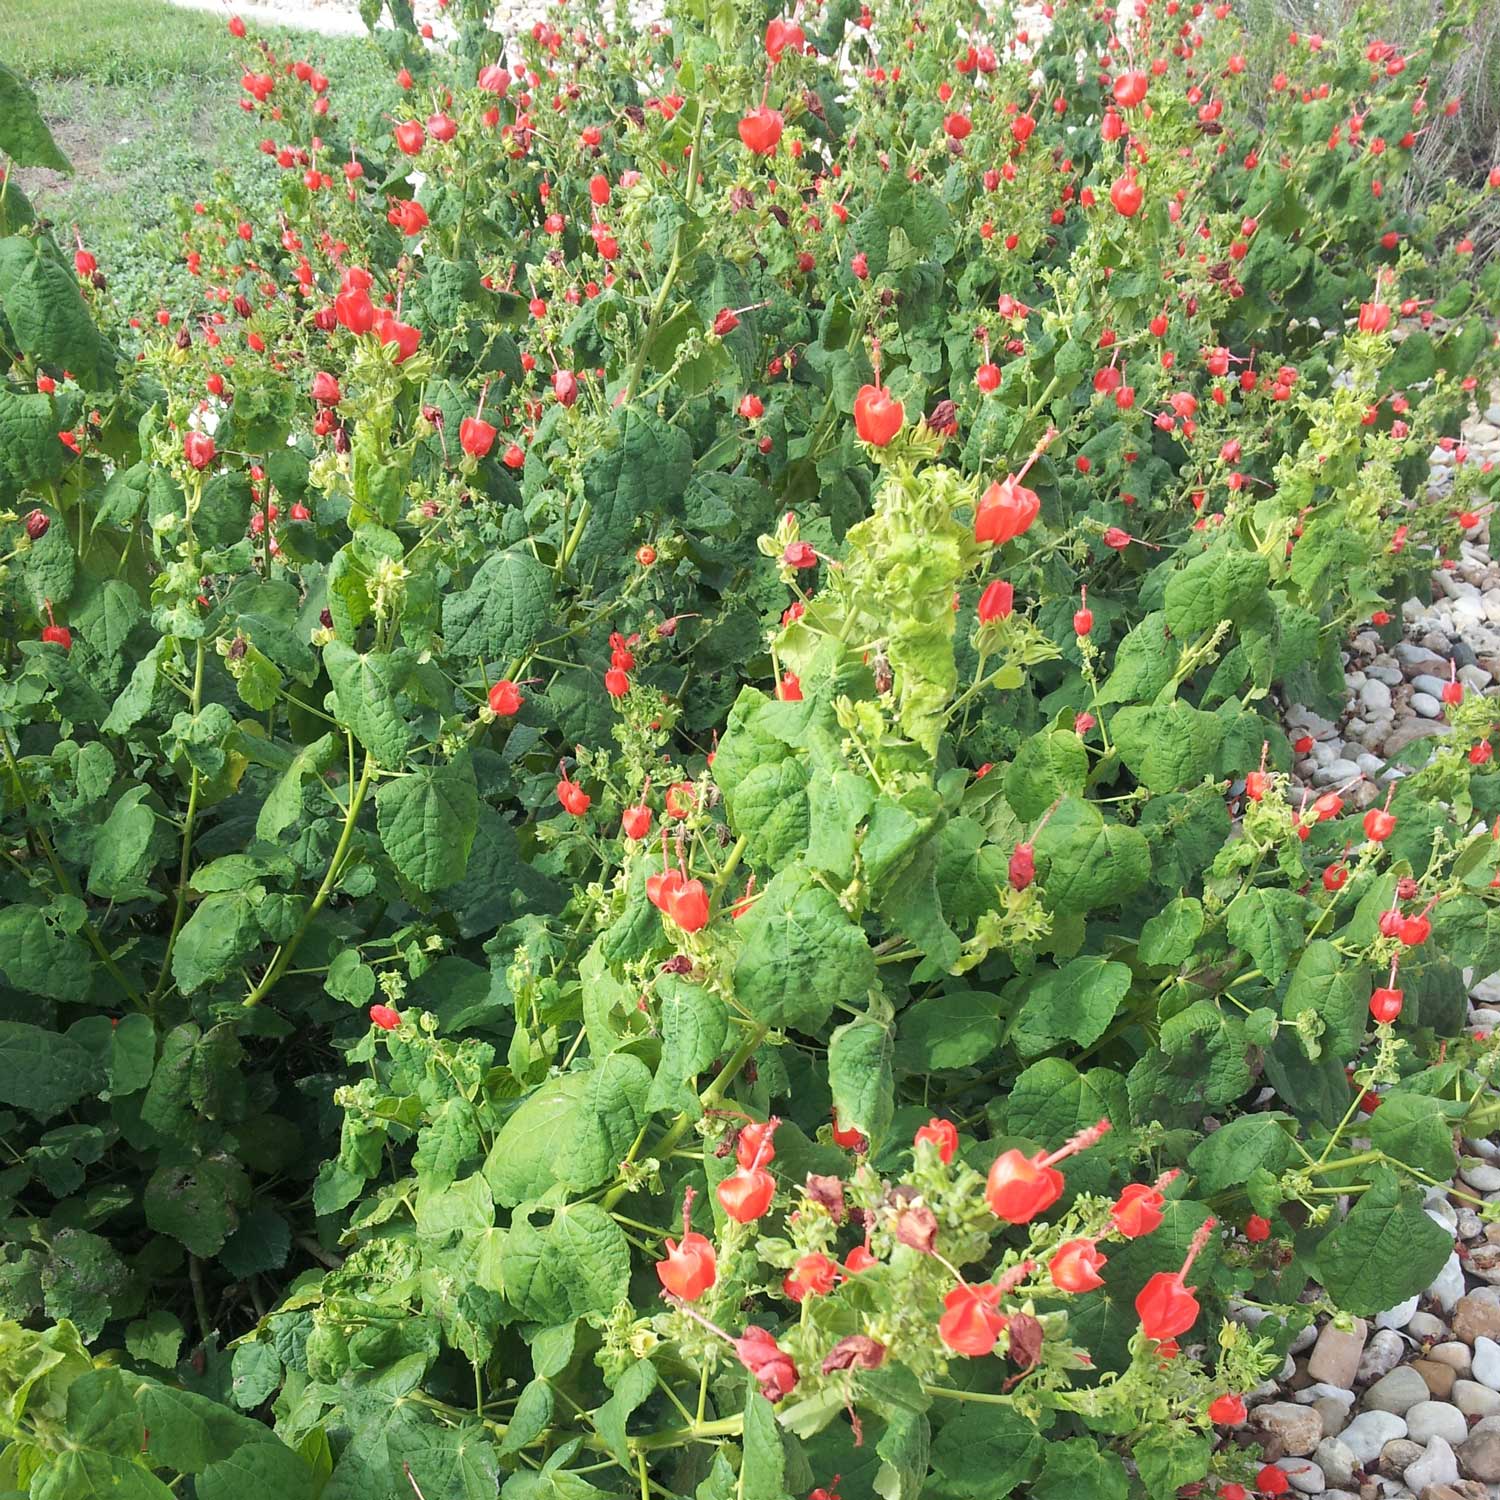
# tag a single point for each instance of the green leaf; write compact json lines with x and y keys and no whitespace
{"x":1089,"y":862}
{"x":49,"y":320}
{"x":37,"y":956}
{"x":1049,"y":765}
{"x":983,"y":1453}
{"x":255,"y":1375}
{"x":1223,"y":584}
{"x":1052,"y":1100}
{"x":1169,"y":747}
{"x":1267,"y":923}
{"x":763,"y":1465}
{"x":801,"y":954}
{"x":635,"y":1385}
{"x":258,"y":1469}
{"x":1145,"y":662}
{"x":955,"y":1030}
{"x":1226,"y":1157}
{"x":123,"y":850}
{"x":1335,"y":991}
{"x":859,"y":1075}
{"x":190,"y":1432}
{"x":30,"y":452}
{"x":197,"y":1204}
{"x":155,"y":1339}
{"x":639,"y":469}
{"x":1385,"y":1251}
{"x":1079,"y":1469}
{"x":1075,"y":1003}
{"x":24,"y":136}
{"x":42,"y":1072}
{"x":221,"y":933}
{"x":502,"y":612}
{"x":1415,"y":1130}
{"x":1170,"y":935}
{"x":694,"y":1024}
{"x":427,"y":820}
{"x":1169,"y":1457}
{"x":366,"y":687}
{"x":579,"y":1264}
{"x":83,"y":1475}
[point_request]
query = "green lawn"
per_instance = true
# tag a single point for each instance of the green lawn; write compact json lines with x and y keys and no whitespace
{"x":143,"y":99}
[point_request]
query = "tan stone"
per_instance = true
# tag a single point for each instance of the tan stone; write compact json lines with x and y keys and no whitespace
{"x":1335,"y":1357}
{"x":1439,"y":1377}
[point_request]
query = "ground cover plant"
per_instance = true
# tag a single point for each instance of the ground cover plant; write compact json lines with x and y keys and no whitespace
{"x":647,"y":844}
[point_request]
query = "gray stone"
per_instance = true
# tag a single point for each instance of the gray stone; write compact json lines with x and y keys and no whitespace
{"x":1335,"y":1358}
{"x":1425,"y":682}
{"x":1448,"y":1286}
{"x":1297,"y":1429}
{"x":1486,"y":1367}
{"x":1426,"y":705}
{"x":1336,"y":1461}
{"x":1482,"y":1176}
{"x":1436,"y":1466}
{"x":1382,"y":1354}
{"x":1475,"y":1400}
{"x":1369,"y":1432}
{"x":1335,"y":1414}
{"x":1398,"y":1316}
{"x":1479,"y":1457}
{"x":1375,"y":698}
{"x":1337,"y":772}
{"x":1399,"y":1455}
{"x":1424,"y":1326}
{"x":1305,"y":1475}
{"x":1397,"y":1392}
{"x":1409,"y":730}
{"x":1433,"y":1419}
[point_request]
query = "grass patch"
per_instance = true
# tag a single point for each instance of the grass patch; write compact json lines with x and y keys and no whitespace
{"x":143,"y":98}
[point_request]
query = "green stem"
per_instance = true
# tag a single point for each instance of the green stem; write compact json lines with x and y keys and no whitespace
{"x":288,"y":949}
{"x":180,"y":912}
{"x":707,"y":1099}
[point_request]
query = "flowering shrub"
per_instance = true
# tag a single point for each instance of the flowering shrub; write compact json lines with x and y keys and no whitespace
{"x":647,"y":842}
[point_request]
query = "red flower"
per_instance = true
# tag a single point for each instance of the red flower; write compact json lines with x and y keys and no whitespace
{"x":690,"y":1267}
{"x":1227,"y":1410}
{"x":505,"y":699}
{"x":476,"y":436}
{"x":941,"y":1133}
{"x":970,"y":1325}
{"x":1257,"y":1229}
{"x":1075,"y":1266}
{"x":1138,"y":1209}
{"x":997,"y":601}
{"x":384,"y":1017}
{"x":745,"y":1196}
{"x":1165,"y":1304}
{"x":198,"y":448}
{"x":812,"y":1276}
{"x":1020,"y":1187}
{"x":760,"y":130}
{"x":325,"y":389}
{"x":1005,"y":510}
{"x":1270,"y":1480}
{"x":877,"y":415}
{"x":763,"y":1357}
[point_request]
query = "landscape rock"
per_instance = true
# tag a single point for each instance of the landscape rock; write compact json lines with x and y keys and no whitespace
{"x":1436,"y":1466}
{"x":1383,"y":1353}
{"x":1431,"y":1419}
{"x":1335,"y":1358}
{"x":1397,"y":1391}
{"x":1296,"y":1429}
{"x":1369,"y":1432}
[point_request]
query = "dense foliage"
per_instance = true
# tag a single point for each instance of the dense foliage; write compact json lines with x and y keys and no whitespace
{"x":646,"y":832}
